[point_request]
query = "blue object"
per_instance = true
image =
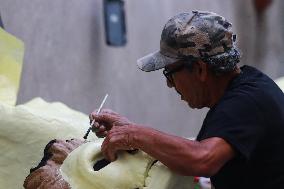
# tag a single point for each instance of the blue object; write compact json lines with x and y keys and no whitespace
{"x":1,"y":23}
{"x":114,"y":18}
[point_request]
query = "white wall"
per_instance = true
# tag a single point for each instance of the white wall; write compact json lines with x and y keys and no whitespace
{"x":67,"y":60}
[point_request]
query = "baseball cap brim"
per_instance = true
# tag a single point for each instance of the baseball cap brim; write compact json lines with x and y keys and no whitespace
{"x":154,"y":61}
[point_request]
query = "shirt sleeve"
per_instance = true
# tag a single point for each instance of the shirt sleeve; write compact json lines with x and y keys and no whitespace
{"x":238,"y":121}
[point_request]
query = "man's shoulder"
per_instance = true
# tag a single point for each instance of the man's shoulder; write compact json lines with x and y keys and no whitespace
{"x":254,"y":84}
{"x":252,"y":92}
{"x":252,"y":76}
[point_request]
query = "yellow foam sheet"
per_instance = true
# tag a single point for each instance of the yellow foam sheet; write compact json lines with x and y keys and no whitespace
{"x":26,"y":129}
{"x":11,"y":60}
{"x":129,"y":171}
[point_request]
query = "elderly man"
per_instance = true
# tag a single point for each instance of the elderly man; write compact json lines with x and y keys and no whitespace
{"x":239,"y":144}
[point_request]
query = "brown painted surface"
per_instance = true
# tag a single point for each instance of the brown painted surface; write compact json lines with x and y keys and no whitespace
{"x":47,"y":174}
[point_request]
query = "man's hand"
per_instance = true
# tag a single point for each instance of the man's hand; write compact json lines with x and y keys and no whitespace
{"x":118,"y":139}
{"x":105,"y":120}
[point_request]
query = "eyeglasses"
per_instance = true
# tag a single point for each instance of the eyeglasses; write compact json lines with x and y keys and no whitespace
{"x":169,"y":73}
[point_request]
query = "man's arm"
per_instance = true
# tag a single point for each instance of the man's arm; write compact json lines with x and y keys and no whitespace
{"x":181,"y":155}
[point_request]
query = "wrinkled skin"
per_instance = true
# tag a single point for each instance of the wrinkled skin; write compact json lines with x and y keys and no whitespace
{"x":117,"y":139}
{"x":106,"y":120}
{"x":47,"y":175}
{"x":109,"y":124}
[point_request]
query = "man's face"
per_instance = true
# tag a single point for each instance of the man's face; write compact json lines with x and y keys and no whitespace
{"x":187,"y":83}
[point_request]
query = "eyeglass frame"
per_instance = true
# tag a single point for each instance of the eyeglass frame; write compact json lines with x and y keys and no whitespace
{"x":168,"y":74}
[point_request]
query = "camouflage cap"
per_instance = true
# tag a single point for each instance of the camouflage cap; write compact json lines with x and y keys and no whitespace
{"x":195,"y":35}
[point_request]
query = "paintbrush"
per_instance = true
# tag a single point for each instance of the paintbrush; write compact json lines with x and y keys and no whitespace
{"x":93,"y":121}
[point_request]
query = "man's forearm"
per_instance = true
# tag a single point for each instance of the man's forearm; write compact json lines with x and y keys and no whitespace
{"x":179,"y":154}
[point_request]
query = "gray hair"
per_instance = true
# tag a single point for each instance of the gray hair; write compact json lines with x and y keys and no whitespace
{"x":224,"y":62}
{"x":219,"y":64}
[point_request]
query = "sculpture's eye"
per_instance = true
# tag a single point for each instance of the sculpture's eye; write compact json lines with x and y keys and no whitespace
{"x":103,"y":162}
{"x":100,"y":164}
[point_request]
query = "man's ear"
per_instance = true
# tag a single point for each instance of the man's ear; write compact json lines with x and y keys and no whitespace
{"x":202,"y":70}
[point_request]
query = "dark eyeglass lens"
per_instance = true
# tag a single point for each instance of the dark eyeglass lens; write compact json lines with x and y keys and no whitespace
{"x":168,"y":75}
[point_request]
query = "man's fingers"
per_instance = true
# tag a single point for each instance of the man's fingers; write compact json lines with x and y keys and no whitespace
{"x":95,"y":126}
{"x":109,"y":111}
{"x":111,"y":156}
{"x":102,"y":128}
{"x":102,"y":117}
{"x":98,"y":128}
{"x":101,"y":134}
{"x":104,"y":133}
{"x":103,"y":147}
{"x":91,"y":117}
{"x":108,"y":150}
